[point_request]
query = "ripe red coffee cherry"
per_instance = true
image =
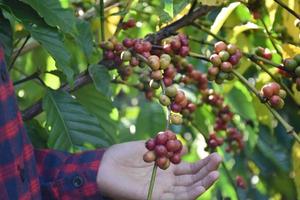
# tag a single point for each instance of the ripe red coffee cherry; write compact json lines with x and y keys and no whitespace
{"x":170,"y":135}
{"x":184,"y":51}
{"x":276,"y":87}
{"x":180,"y":96}
{"x":167,"y":49}
{"x":267,"y":54}
{"x":267,"y":91}
{"x":176,"y":107}
{"x":134,"y":61}
{"x":161,"y":162}
{"x":234,"y":59}
{"x":149,"y":156}
{"x":171,"y":146}
{"x":226,"y":67}
{"x":138,"y":47}
{"x":164,"y":100}
{"x":109,"y":55}
{"x":175,"y":44}
{"x":147,"y":46}
{"x":160,"y":150}
{"x":171,"y":91}
{"x":161,"y":138}
{"x":156,"y":75}
{"x":215,"y":60}
{"x":191,"y":107}
{"x":128,"y":42}
{"x":183,"y":103}
{"x":150,"y":144}
{"x":131,"y":23}
{"x":240,"y":182}
{"x":175,"y":159}
{"x":178,"y":146}
{"x":220,"y":46}
{"x":213,"y":71}
{"x":170,"y":72}
{"x":167,"y":81}
{"x":231,"y":48}
{"x":276,"y":102}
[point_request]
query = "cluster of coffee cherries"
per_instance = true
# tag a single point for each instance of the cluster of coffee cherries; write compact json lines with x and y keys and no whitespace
{"x":292,"y":67}
{"x":274,"y":95}
{"x":234,"y":140}
{"x":224,"y":59}
{"x":164,"y":149}
{"x":177,"y":44}
{"x":128,"y":24}
{"x":240,"y":182}
{"x":263,"y":52}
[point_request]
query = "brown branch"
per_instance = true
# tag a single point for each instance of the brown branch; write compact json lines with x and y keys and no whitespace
{"x":84,"y":78}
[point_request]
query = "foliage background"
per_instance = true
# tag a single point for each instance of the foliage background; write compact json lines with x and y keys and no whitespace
{"x":62,"y":42}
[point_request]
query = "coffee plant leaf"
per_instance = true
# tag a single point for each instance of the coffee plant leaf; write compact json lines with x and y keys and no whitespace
{"x":101,"y":78}
{"x":296,"y":165}
{"x":289,"y":50}
{"x":288,"y":20}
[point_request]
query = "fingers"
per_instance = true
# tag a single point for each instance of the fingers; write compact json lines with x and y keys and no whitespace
{"x":194,"y":190}
{"x":192,"y":168}
{"x":189,"y":194}
{"x":189,"y":179}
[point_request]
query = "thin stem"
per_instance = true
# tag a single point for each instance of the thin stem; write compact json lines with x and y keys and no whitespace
{"x":271,"y":38}
{"x":289,"y":129}
{"x":31,"y":77}
{"x":255,"y":58}
{"x":119,"y":26}
{"x":101,"y":9}
{"x":18,"y":53}
{"x":198,"y":56}
{"x":287,"y":8}
{"x":152,"y":181}
{"x":230,"y":179}
{"x":200,"y":41}
{"x":208,"y":32}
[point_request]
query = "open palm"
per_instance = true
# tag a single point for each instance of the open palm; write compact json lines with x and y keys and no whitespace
{"x":124,"y":175}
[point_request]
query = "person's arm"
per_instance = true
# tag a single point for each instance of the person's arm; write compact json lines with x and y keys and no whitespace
{"x":68,"y":176}
{"x":61,"y":175}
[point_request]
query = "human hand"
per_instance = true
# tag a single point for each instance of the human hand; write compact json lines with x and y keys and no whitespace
{"x":124,"y":175}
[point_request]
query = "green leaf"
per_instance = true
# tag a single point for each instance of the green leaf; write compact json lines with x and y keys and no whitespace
{"x":221,"y":18}
{"x":151,"y":120}
{"x":37,"y":134}
{"x":100,"y":106}
{"x":101,"y":78}
{"x":69,"y":124}
{"x":54,"y":14}
{"x":168,"y":7}
{"x":49,"y":37}
{"x":84,"y":38}
{"x":179,"y":5}
{"x":6,"y":37}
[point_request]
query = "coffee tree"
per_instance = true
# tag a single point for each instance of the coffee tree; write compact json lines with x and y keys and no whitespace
{"x":215,"y":76}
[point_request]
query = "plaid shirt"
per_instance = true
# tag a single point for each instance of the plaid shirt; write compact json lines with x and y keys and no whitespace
{"x":26,"y":173}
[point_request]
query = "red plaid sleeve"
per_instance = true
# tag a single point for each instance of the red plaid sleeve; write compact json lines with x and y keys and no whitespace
{"x":68,"y":176}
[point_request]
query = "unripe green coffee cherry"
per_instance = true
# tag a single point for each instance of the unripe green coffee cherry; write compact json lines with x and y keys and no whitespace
{"x":154,"y":85}
{"x":165,"y":60}
{"x":282,"y":93}
{"x":176,"y":119}
{"x":215,"y":60}
{"x":231,"y":48}
{"x":290,"y":64}
{"x":224,"y":55}
{"x":171,"y":91}
{"x":297,"y":58}
{"x":230,"y":76}
{"x":297,"y":71}
{"x":126,"y":56}
{"x":164,"y":100}
{"x":154,"y":62}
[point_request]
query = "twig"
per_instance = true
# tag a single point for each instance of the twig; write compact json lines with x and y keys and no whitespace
{"x":152,"y":181}
{"x":287,"y":8}
{"x":119,"y":26}
{"x":30,"y":77}
{"x":101,"y":9}
{"x":18,"y":53}
{"x":198,"y":56}
{"x":289,"y":129}
{"x":271,"y":37}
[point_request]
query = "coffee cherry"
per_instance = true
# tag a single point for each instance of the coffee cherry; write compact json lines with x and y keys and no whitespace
{"x":150,"y":144}
{"x":160,"y":150}
{"x":215,"y":60}
{"x":240,"y":182}
{"x":165,"y":61}
{"x":297,"y":71}
{"x":167,"y":165}
{"x":147,"y":46}
{"x":297,"y":58}
{"x":149,"y":157}
{"x":171,"y":145}
{"x":224,"y":55}
{"x":184,"y":51}
{"x":167,"y":49}
{"x":138,"y":47}
{"x":126,"y":56}
{"x":213,"y":71}
{"x":231,"y":48}
{"x":156,"y":75}
{"x":290,"y":64}
{"x":128,"y":42}
{"x":276,"y":102}
{"x":230,"y":76}
{"x":267,"y":54}
{"x":167,"y":81}
{"x":191,"y":107}
{"x":164,"y":100}
{"x":234,"y":59}
{"x":134,"y":62}
{"x":154,"y":85}
{"x":175,"y":159}
{"x":180,"y":96}
{"x":170,"y":72}
{"x":176,"y":119}
{"x":220,"y":46}
{"x":176,"y":107}
{"x":259,"y":51}
{"x":282,"y":93}
{"x":175,"y":44}
{"x":170,"y":135}
{"x":276,"y":87}
{"x":161,"y":162}
{"x":226,"y":67}
{"x":154,"y":62}
{"x":267,"y":91}
{"x":171,"y":91}
{"x":183,"y":103}
{"x":109,"y":55}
